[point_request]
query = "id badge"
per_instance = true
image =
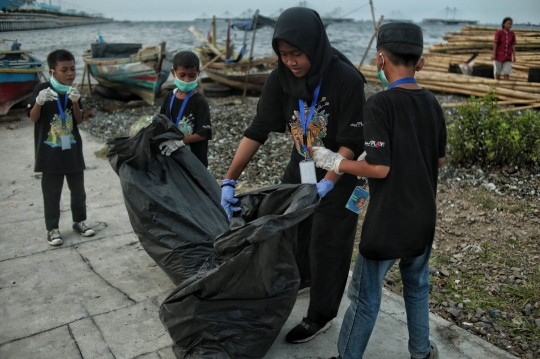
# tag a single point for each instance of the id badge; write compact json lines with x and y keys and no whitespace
{"x":307,"y":171}
{"x":357,"y":200}
{"x":66,"y":142}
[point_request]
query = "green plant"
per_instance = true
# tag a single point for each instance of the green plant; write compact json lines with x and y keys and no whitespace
{"x":483,"y":135}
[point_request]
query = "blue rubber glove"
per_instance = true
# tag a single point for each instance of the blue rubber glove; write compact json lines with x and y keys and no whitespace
{"x":324,"y":186}
{"x":227,"y":197}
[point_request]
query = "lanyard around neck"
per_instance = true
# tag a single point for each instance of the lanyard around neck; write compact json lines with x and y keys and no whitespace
{"x":305,"y":122}
{"x":405,"y":80}
{"x":62,"y":110}
{"x":179,"y":117}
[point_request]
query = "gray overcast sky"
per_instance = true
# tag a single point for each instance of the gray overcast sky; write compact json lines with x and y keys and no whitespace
{"x":485,"y":11}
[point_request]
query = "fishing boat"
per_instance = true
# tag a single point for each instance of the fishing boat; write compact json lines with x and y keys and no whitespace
{"x":19,"y":73}
{"x":236,"y":70}
{"x":242,"y":75}
{"x":129,"y":68}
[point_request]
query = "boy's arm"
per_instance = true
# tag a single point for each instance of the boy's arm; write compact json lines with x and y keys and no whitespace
{"x":35,"y":113}
{"x":364,"y":169}
{"x":77,"y":113}
{"x":193,"y":138}
{"x":441,"y":161}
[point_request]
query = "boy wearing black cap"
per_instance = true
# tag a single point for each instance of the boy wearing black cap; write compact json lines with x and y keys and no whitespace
{"x":405,"y":139}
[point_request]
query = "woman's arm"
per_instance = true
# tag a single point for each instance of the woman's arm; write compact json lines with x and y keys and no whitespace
{"x":244,"y":153}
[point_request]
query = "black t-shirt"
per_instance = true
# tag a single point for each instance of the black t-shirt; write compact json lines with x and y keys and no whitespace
{"x":337,"y":121}
{"x":405,"y":130}
{"x":48,"y":132}
{"x":195,"y":120}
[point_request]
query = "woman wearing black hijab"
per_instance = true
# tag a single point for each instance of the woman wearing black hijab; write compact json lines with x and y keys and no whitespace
{"x":332,"y":90}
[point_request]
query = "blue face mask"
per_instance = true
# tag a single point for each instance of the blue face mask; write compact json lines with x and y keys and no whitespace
{"x":58,"y":86}
{"x":381,"y":75}
{"x":185,"y":86}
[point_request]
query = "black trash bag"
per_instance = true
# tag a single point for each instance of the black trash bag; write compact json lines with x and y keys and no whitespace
{"x":173,"y":202}
{"x":236,"y":305}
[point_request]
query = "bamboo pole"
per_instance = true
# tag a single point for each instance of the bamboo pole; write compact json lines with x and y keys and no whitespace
{"x":371,"y":40}
{"x":212,"y":61}
{"x":520,"y":108}
{"x":250,"y":54}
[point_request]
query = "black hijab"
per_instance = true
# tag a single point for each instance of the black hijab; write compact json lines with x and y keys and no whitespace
{"x":303,"y":28}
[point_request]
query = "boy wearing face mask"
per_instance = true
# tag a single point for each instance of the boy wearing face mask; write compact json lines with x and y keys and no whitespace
{"x":55,"y":109}
{"x":187,"y":108}
{"x":405,"y":139}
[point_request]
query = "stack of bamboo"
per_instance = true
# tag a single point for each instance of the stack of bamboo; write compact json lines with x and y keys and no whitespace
{"x":460,"y":47}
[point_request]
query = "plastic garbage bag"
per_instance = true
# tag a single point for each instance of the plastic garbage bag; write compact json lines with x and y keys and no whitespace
{"x":173,"y":202}
{"x":236,"y":305}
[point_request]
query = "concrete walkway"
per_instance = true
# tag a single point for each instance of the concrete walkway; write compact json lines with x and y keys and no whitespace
{"x":99,"y":297}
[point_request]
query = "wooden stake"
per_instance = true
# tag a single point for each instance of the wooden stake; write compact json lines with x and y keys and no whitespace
{"x":250,"y":53}
{"x":371,"y":41}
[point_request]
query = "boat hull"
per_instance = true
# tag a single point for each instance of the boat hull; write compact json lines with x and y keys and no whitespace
{"x":140,"y":76}
{"x":255,"y":82}
{"x":15,"y":87}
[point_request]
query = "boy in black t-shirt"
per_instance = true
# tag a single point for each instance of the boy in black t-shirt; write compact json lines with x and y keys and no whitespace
{"x":56,"y":111}
{"x":187,"y":109}
{"x":405,"y":139}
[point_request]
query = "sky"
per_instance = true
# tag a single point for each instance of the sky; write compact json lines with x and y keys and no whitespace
{"x":485,"y":11}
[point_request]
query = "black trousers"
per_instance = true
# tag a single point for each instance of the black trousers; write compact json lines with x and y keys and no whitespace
{"x":324,"y":248}
{"x":51,"y":186}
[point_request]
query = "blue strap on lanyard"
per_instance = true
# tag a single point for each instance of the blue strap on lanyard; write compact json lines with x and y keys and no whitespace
{"x":61,"y":110}
{"x":181,"y":108}
{"x":305,"y":122}
{"x":405,"y":80}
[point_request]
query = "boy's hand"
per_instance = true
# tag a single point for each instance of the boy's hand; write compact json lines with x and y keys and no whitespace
{"x":170,"y":146}
{"x":74,"y":94}
{"x":46,"y":95}
{"x":326,"y":159}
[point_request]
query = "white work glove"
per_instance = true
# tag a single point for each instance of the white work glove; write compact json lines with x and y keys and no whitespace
{"x":74,"y":94}
{"x":170,"y":146}
{"x":326,"y":159}
{"x":362,"y":157}
{"x":45,"y":95}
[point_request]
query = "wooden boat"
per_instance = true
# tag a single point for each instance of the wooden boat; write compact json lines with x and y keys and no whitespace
{"x":234,"y":74}
{"x":19,"y":74}
{"x":129,"y":68}
{"x":222,"y":66}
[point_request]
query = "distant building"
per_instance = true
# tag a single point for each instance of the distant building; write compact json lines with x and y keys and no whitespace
{"x":13,"y":5}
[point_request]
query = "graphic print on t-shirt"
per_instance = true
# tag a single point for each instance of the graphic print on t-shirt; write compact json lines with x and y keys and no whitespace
{"x":316,"y":128}
{"x":59,"y":129}
{"x":186,"y":125}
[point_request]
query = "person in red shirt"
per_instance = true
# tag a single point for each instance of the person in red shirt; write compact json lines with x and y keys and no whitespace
{"x":504,"y":50}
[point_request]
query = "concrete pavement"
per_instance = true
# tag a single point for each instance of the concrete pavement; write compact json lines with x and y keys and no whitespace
{"x":99,"y":297}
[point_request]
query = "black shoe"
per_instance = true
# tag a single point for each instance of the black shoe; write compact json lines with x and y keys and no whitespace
{"x":83,"y":229}
{"x":433,"y":353}
{"x":305,"y":331}
{"x":54,"y":238}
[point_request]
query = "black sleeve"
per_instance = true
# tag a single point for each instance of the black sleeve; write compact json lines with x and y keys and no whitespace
{"x":377,"y":132}
{"x":164,"y":110}
{"x":351,"y":112}
{"x":203,"y":126}
{"x":270,"y":115}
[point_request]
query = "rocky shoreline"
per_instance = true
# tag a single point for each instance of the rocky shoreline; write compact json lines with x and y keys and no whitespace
{"x":485,"y":263}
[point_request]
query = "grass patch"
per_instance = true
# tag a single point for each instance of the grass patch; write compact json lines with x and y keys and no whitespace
{"x":484,"y":202}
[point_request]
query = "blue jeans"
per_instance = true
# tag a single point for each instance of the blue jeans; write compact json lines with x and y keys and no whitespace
{"x":365,"y":292}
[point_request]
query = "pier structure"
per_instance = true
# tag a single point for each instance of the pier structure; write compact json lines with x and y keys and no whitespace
{"x":35,"y":21}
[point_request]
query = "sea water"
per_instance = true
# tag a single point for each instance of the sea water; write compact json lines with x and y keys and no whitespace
{"x":351,"y":38}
